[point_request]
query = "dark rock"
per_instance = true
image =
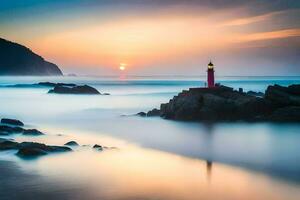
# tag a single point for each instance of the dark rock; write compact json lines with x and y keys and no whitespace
{"x":18,"y":130}
{"x":85,"y":89}
{"x":14,"y":122}
{"x":44,"y":147}
{"x":71,"y":143}
{"x":29,"y":149}
{"x":99,"y":147}
{"x":283,"y":96}
{"x":154,"y":112}
{"x":224,"y":104}
{"x":106,"y":94}
{"x":49,"y":84}
{"x":33,"y":132}
{"x":10,"y":130}
{"x":286,"y":114}
{"x":16,"y":59}
{"x":142,"y":114}
{"x":8,"y":145}
{"x":257,"y":94}
{"x":30,"y":152}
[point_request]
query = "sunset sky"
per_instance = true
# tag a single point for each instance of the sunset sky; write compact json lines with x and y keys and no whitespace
{"x":159,"y":37}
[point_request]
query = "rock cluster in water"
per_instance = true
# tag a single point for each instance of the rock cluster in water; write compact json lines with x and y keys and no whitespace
{"x":13,"y":126}
{"x":62,"y":88}
{"x":222,"y":103}
{"x":31,"y":149}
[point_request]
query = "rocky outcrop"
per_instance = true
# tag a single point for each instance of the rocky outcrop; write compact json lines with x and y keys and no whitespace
{"x":225,"y":104}
{"x":283,"y":96}
{"x":16,"y":59}
{"x":31,"y":149}
{"x":14,"y":122}
{"x":71,"y":143}
{"x":12,"y":126}
{"x":84,"y":89}
{"x":7,"y":130}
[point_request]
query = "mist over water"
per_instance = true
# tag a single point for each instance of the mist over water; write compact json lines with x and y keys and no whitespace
{"x":153,"y":153}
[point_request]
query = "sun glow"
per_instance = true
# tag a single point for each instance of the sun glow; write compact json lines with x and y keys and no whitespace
{"x":122,"y":66}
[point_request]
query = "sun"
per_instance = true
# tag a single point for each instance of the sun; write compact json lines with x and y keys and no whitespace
{"x":122,"y":66}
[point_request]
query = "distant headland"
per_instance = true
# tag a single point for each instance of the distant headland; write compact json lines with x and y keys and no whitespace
{"x":19,"y":60}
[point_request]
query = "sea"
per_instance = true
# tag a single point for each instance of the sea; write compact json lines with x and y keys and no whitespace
{"x":151,"y":158}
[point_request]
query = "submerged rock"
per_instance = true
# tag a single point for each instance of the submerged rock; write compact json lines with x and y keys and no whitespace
{"x":99,"y":147}
{"x":85,"y":89}
{"x":14,"y":122}
{"x":71,"y":143}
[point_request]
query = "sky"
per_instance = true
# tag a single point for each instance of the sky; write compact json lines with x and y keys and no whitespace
{"x":159,"y":37}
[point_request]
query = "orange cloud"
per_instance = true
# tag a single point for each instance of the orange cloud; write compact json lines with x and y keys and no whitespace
{"x":270,"y":35}
{"x":251,"y":20}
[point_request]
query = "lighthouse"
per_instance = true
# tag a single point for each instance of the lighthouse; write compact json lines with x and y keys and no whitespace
{"x":210,"y":75}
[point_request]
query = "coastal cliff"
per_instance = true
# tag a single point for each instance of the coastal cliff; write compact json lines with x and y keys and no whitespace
{"x":16,"y":59}
{"x":225,"y":104}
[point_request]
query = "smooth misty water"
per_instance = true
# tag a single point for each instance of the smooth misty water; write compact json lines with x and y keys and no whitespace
{"x":157,"y":159}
